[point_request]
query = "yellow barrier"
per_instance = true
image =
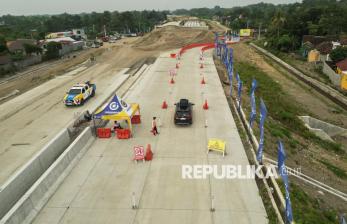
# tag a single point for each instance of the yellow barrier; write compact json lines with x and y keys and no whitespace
{"x":216,"y":145}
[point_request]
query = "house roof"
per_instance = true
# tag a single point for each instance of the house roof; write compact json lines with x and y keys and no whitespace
{"x":342,"y":64}
{"x":325,"y":47}
{"x":343,"y":41}
{"x":316,"y":40}
{"x":18,"y":44}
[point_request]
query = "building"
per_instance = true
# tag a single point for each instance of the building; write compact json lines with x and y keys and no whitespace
{"x":76,"y":34}
{"x":325,"y":49}
{"x":59,"y":35}
{"x":68,"y":44}
{"x":341,"y":67}
{"x":79,"y":34}
{"x":17,"y":46}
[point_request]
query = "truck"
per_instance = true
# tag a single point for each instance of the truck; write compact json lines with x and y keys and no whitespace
{"x":79,"y":94}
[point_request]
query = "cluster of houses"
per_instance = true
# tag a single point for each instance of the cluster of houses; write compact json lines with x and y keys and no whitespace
{"x":317,"y":49}
{"x":70,"y":41}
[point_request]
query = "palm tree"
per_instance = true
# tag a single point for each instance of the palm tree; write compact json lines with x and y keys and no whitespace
{"x":278,"y":21}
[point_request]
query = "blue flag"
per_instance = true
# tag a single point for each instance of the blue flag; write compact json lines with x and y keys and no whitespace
{"x":281,"y":158}
{"x":237,"y":77}
{"x":263,"y":113}
{"x":283,"y":173}
{"x":239,"y":92}
{"x":253,"y":105}
{"x":231,"y":82}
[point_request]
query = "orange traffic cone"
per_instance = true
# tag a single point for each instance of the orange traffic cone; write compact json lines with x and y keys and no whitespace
{"x":177,"y":65}
{"x":164,"y":106}
{"x":203,"y":81}
{"x":201,"y":65}
{"x":205,"y":106}
{"x":149,"y":153}
{"x":172,"y":81}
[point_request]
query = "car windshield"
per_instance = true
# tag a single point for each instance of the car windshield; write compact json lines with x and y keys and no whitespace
{"x":74,"y":91}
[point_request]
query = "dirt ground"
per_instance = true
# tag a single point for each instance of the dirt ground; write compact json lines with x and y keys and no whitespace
{"x":171,"y":37}
{"x":318,"y":106}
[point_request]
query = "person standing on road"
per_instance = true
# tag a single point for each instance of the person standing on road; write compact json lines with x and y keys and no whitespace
{"x":154,"y":126}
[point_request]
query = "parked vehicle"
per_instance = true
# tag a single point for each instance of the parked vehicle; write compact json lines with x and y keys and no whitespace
{"x":79,"y":93}
{"x":183,"y":112}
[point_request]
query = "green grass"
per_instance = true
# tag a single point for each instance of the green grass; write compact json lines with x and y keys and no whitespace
{"x":281,"y":107}
{"x":307,"y":210}
{"x":336,"y":170}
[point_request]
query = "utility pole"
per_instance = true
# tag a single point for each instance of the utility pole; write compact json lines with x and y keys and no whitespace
{"x":259,"y":31}
{"x":104,"y":30}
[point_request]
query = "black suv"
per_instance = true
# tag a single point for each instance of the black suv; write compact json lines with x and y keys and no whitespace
{"x":183,"y":112}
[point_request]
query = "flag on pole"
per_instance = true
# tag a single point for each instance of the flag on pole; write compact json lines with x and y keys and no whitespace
{"x":239,"y":92}
{"x":263,"y":113}
{"x":237,"y":77}
{"x":253,"y":105}
{"x":283,"y":173}
{"x":231,"y":82}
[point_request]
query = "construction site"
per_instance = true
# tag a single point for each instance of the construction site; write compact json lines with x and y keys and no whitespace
{"x":60,"y":164}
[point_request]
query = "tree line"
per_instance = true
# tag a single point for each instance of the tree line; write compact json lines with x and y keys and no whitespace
{"x":38,"y":26}
{"x":285,"y":24}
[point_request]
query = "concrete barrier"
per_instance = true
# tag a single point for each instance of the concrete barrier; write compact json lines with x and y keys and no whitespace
{"x":18,"y":184}
{"x":24,"y":178}
{"x":26,"y":209}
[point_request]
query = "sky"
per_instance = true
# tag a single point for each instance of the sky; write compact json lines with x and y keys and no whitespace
{"x":33,"y":7}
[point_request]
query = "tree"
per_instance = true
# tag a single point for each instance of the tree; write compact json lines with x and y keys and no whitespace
{"x":53,"y":50}
{"x":278,"y":21}
{"x":338,"y":54}
{"x":30,"y":48}
{"x":3,"y":47}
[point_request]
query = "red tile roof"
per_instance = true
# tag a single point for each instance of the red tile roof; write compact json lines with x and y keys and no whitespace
{"x":342,"y":64}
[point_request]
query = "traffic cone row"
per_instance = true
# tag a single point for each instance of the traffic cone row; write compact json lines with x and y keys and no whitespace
{"x":177,"y":65}
{"x":172,"y":81}
{"x":201,"y":65}
{"x":205,"y":106}
{"x":164,"y":105}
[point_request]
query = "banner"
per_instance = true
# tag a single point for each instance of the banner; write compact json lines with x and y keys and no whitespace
{"x":263,"y":113}
{"x":253,"y":105}
{"x":239,"y":92}
{"x":283,"y":173}
{"x":245,"y":32}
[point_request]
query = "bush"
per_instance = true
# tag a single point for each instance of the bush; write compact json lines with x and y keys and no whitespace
{"x":338,"y":54}
{"x":53,"y":50}
{"x":30,"y":48}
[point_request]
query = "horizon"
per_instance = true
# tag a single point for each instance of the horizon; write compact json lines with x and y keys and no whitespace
{"x":37,"y":7}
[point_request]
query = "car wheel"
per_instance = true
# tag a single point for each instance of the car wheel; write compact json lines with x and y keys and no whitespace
{"x":82,"y":102}
{"x":93,"y":93}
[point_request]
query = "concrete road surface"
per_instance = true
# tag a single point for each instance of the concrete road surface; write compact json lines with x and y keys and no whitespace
{"x":32,"y":119}
{"x":99,"y":189}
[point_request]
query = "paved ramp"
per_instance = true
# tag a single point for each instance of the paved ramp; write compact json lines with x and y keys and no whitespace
{"x":100,"y":187}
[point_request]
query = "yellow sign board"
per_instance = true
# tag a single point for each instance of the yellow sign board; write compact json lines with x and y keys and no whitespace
{"x":216,"y":145}
{"x":245,"y":32}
